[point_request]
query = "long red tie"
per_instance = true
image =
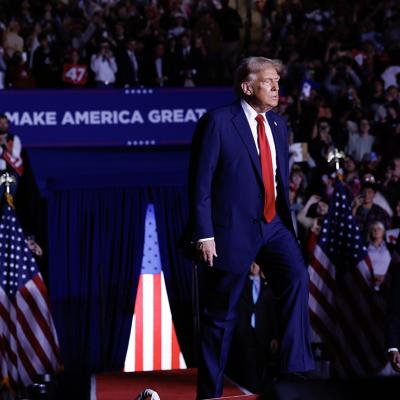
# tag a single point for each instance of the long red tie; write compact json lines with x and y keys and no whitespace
{"x":266,"y":170}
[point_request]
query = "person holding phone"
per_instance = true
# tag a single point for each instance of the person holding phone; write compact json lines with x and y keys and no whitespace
{"x":104,"y":66}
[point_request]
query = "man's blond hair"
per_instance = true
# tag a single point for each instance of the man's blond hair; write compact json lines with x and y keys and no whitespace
{"x":250,"y":66}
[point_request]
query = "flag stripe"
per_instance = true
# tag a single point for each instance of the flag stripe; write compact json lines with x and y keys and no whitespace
{"x":374,"y":309}
{"x":8,"y":357}
{"x":175,"y":350}
{"x":30,"y":307}
{"x":321,"y":301}
{"x":356,"y":312}
{"x":370,"y":334}
{"x":30,"y":342}
{"x":157,"y":322}
{"x":138,"y":327}
{"x":44,"y":306}
{"x":169,"y":355}
{"x":336,"y":348}
{"x":166,"y":343}
{"x":148,"y":319}
{"x":13,"y":341}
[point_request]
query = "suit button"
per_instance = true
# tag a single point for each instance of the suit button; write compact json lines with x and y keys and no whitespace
{"x":260,"y":195}
{"x":255,"y":221}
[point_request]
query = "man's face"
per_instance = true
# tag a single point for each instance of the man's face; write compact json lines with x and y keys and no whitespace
{"x":369,"y":194}
{"x":264,"y":88}
{"x":3,"y":125}
{"x":322,"y":208}
{"x":377,"y":231}
{"x":349,"y":165}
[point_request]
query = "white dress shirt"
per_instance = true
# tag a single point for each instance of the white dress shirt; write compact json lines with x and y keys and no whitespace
{"x":104,"y":68}
{"x":380,"y":258}
{"x":135,"y":65}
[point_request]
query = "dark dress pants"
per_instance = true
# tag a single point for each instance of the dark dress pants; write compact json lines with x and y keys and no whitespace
{"x":283,"y":265}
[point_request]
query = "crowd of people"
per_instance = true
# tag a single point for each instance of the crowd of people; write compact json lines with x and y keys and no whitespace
{"x":126,"y":43}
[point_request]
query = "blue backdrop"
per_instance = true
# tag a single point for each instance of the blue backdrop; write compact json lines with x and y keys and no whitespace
{"x":133,"y":117}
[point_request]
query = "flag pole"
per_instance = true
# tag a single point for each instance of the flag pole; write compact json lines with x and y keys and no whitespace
{"x":334,"y":157}
{"x":7,"y":180}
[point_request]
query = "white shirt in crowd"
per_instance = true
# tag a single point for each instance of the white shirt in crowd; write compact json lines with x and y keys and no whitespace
{"x":104,"y":68}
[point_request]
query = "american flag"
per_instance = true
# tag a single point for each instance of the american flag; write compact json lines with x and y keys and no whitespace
{"x":153,"y":344}
{"x":28,"y":339}
{"x":345,"y":311}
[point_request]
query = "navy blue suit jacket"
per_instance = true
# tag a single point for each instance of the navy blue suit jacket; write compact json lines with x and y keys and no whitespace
{"x":226,"y":188}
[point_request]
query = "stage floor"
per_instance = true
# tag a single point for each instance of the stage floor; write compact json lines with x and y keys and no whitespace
{"x":170,"y":385}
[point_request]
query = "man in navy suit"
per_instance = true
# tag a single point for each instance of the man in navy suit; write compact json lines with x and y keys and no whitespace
{"x":393,"y":320}
{"x":239,"y":212}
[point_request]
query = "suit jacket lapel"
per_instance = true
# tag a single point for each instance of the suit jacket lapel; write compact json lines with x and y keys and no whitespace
{"x":277,"y":139}
{"x":243,"y":129}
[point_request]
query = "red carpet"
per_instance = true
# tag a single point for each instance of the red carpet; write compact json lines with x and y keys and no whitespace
{"x":170,"y":385}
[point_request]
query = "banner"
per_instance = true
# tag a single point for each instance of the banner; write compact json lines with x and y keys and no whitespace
{"x":125,"y":117}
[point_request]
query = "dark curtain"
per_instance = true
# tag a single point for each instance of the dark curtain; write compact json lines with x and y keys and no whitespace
{"x":95,"y":253}
{"x":171,"y":211}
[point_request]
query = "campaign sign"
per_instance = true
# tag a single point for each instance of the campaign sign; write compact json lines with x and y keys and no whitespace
{"x":132,"y":117}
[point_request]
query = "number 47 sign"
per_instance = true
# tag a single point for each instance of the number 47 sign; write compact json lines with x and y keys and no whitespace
{"x":75,"y":74}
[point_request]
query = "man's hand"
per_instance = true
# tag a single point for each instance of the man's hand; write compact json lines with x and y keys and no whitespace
{"x":207,"y":251}
{"x":394,"y":357}
{"x":358,"y":201}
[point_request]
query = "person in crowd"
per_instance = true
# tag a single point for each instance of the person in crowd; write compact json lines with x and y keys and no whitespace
{"x":341,"y":78}
{"x":179,"y":25}
{"x":362,"y":142}
{"x":104,"y":66}
{"x":33,"y":42}
{"x":322,"y":142}
{"x":10,"y":153}
{"x":392,"y":101}
{"x":254,"y":344}
{"x":3,"y":69}
{"x":19,"y":76}
{"x":396,"y":215}
{"x":240,"y":212}
{"x":46,"y":64}
{"x":351,"y":175}
{"x":365,"y":210}
{"x":130,"y":64}
{"x":187,"y":62}
{"x":310,"y":220}
{"x":12,"y":41}
{"x":378,"y":252}
{"x":159,"y":71}
{"x":377,"y":96}
{"x":230,"y":22}
{"x":393,"y":315}
{"x":313,"y":211}
{"x":208,"y":29}
{"x":298,"y":184}
{"x":391,"y":184}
